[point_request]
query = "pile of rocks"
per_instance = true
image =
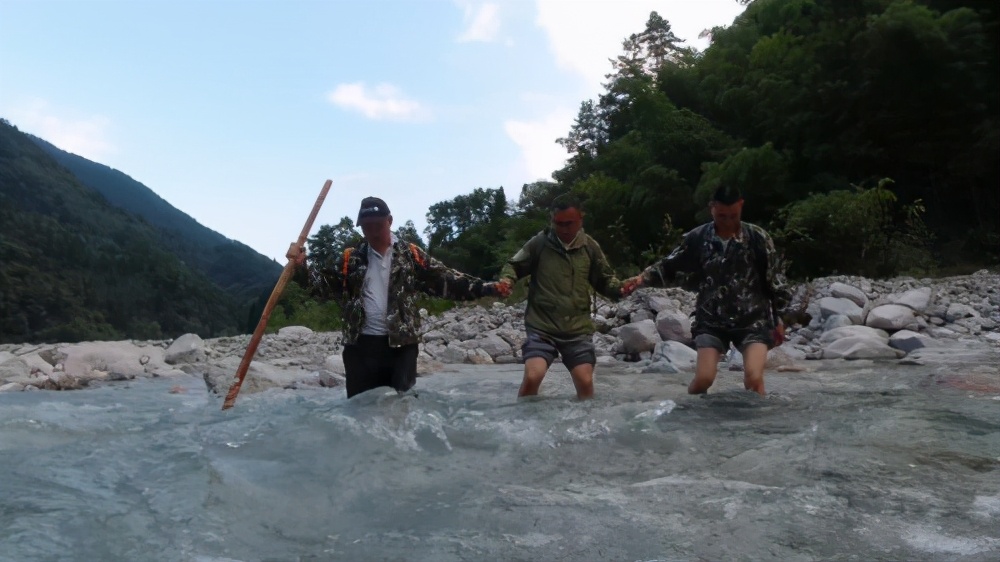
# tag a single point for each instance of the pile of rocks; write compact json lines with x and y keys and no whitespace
{"x":913,"y":320}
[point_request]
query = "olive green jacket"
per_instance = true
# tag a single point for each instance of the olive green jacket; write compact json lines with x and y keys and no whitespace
{"x":561,"y":283}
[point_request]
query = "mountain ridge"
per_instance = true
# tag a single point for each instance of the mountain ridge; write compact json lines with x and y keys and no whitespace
{"x":234,"y":266}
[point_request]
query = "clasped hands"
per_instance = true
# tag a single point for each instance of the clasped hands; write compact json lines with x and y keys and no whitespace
{"x":501,"y":288}
{"x":630,"y":285}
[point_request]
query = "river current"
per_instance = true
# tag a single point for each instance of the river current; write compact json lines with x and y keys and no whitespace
{"x":863,"y":462}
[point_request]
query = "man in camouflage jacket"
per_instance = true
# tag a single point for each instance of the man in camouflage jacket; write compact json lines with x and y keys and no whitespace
{"x":377,"y":284}
{"x":741,"y":292}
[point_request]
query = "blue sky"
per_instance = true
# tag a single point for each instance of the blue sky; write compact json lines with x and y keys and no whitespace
{"x":236,"y":112}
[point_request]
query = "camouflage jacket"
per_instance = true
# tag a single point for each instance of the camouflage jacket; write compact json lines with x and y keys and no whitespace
{"x":739,"y":285}
{"x":413,"y":272}
{"x":561,"y":281}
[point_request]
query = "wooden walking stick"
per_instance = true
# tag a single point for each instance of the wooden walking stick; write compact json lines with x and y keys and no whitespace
{"x":286,"y":274}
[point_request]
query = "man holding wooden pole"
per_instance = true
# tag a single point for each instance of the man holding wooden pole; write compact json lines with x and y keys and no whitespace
{"x":377,"y":284}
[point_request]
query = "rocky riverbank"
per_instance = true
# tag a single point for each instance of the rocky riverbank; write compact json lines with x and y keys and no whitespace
{"x":947,"y":321}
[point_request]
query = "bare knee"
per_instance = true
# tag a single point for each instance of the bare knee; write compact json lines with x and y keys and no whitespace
{"x":534,"y":371}
{"x":583,"y":380}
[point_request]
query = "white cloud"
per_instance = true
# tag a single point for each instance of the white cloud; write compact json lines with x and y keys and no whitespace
{"x":537,"y":140}
{"x":85,"y":136}
{"x":382,"y":102}
{"x":583,"y":36}
{"x":481,"y":22}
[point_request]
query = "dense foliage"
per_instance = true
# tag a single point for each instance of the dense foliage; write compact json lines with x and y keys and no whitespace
{"x":76,"y":268}
{"x":810,"y":106}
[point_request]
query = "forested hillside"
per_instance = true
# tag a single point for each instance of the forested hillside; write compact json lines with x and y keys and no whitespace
{"x":239,"y":270}
{"x":865,"y":135}
{"x":73,"y":267}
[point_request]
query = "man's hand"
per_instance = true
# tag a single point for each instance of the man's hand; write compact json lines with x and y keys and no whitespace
{"x":502,"y":288}
{"x":631,"y":284}
{"x":296,"y":253}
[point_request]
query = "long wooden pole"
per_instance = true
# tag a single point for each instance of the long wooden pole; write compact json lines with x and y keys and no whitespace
{"x":286,"y":274}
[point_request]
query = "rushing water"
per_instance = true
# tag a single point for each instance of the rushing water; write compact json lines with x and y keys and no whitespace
{"x":869,"y":463}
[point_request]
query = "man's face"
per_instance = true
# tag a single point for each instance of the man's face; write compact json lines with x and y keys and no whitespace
{"x":376,"y":229}
{"x":726,"y":217}
{"x":567,"y":223}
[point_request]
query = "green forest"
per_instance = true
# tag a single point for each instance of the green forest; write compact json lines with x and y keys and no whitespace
{"x":865,"y":136}
{"x":236,"y":268}
{"x":76,"y":267}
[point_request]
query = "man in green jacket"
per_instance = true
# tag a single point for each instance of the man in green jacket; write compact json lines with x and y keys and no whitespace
{"x":377,"y":284}
{"x":564,"y":264}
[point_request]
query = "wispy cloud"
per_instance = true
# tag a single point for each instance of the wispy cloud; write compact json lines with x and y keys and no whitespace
{"x":382,"y":102}
{"x":85,"y":136}
{"x":482,"y":22}
{"x":540,"y":154}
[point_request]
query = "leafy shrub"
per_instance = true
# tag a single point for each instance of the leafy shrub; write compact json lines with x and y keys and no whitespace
{"x":862,"y":232}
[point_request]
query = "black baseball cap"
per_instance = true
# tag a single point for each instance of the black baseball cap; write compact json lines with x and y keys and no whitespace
{"x":372,"y":207}
{"x":727,"y":194}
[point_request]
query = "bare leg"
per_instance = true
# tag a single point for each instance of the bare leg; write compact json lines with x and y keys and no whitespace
{"x":705,"y":370}
{"x":534,"y":372}
{"x":754,"y":358}
{"x":583,"y":379}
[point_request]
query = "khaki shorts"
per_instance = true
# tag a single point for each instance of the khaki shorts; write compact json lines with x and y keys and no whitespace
{"x":574,"y":352}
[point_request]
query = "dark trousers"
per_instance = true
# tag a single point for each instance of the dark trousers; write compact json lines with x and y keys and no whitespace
{"x":371,"y":363}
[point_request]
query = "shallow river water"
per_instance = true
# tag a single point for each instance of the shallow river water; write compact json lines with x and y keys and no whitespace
{"x":851,"y":461}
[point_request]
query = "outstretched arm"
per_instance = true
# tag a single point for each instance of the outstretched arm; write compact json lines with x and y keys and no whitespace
{"x":440,"y":280}
{"x":683,"y":258}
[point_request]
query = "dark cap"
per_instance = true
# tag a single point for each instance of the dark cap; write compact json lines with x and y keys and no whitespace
{"x":727,"y":194}
{"x":372,"y":207}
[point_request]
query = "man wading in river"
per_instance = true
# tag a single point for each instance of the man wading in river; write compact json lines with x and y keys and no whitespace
{"x":564,"y":264}
{"x":734,"y":270}
{"x":377,"y":284}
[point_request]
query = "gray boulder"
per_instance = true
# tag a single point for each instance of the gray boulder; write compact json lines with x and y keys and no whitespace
{"x":673,"y":326}
{"x":830,"y":306}
{"x":189,"y":348}
{"x":638,"y":337}
{"x":891,"y":317}
{"x":845,"y":291}
{"x":915,"y":299}
{"x":908,"y":341}
{"x":859,"y":347}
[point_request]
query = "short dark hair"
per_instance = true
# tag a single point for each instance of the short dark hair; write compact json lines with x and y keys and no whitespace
{"x":727,"y":194}
{"x":566,"y":201}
